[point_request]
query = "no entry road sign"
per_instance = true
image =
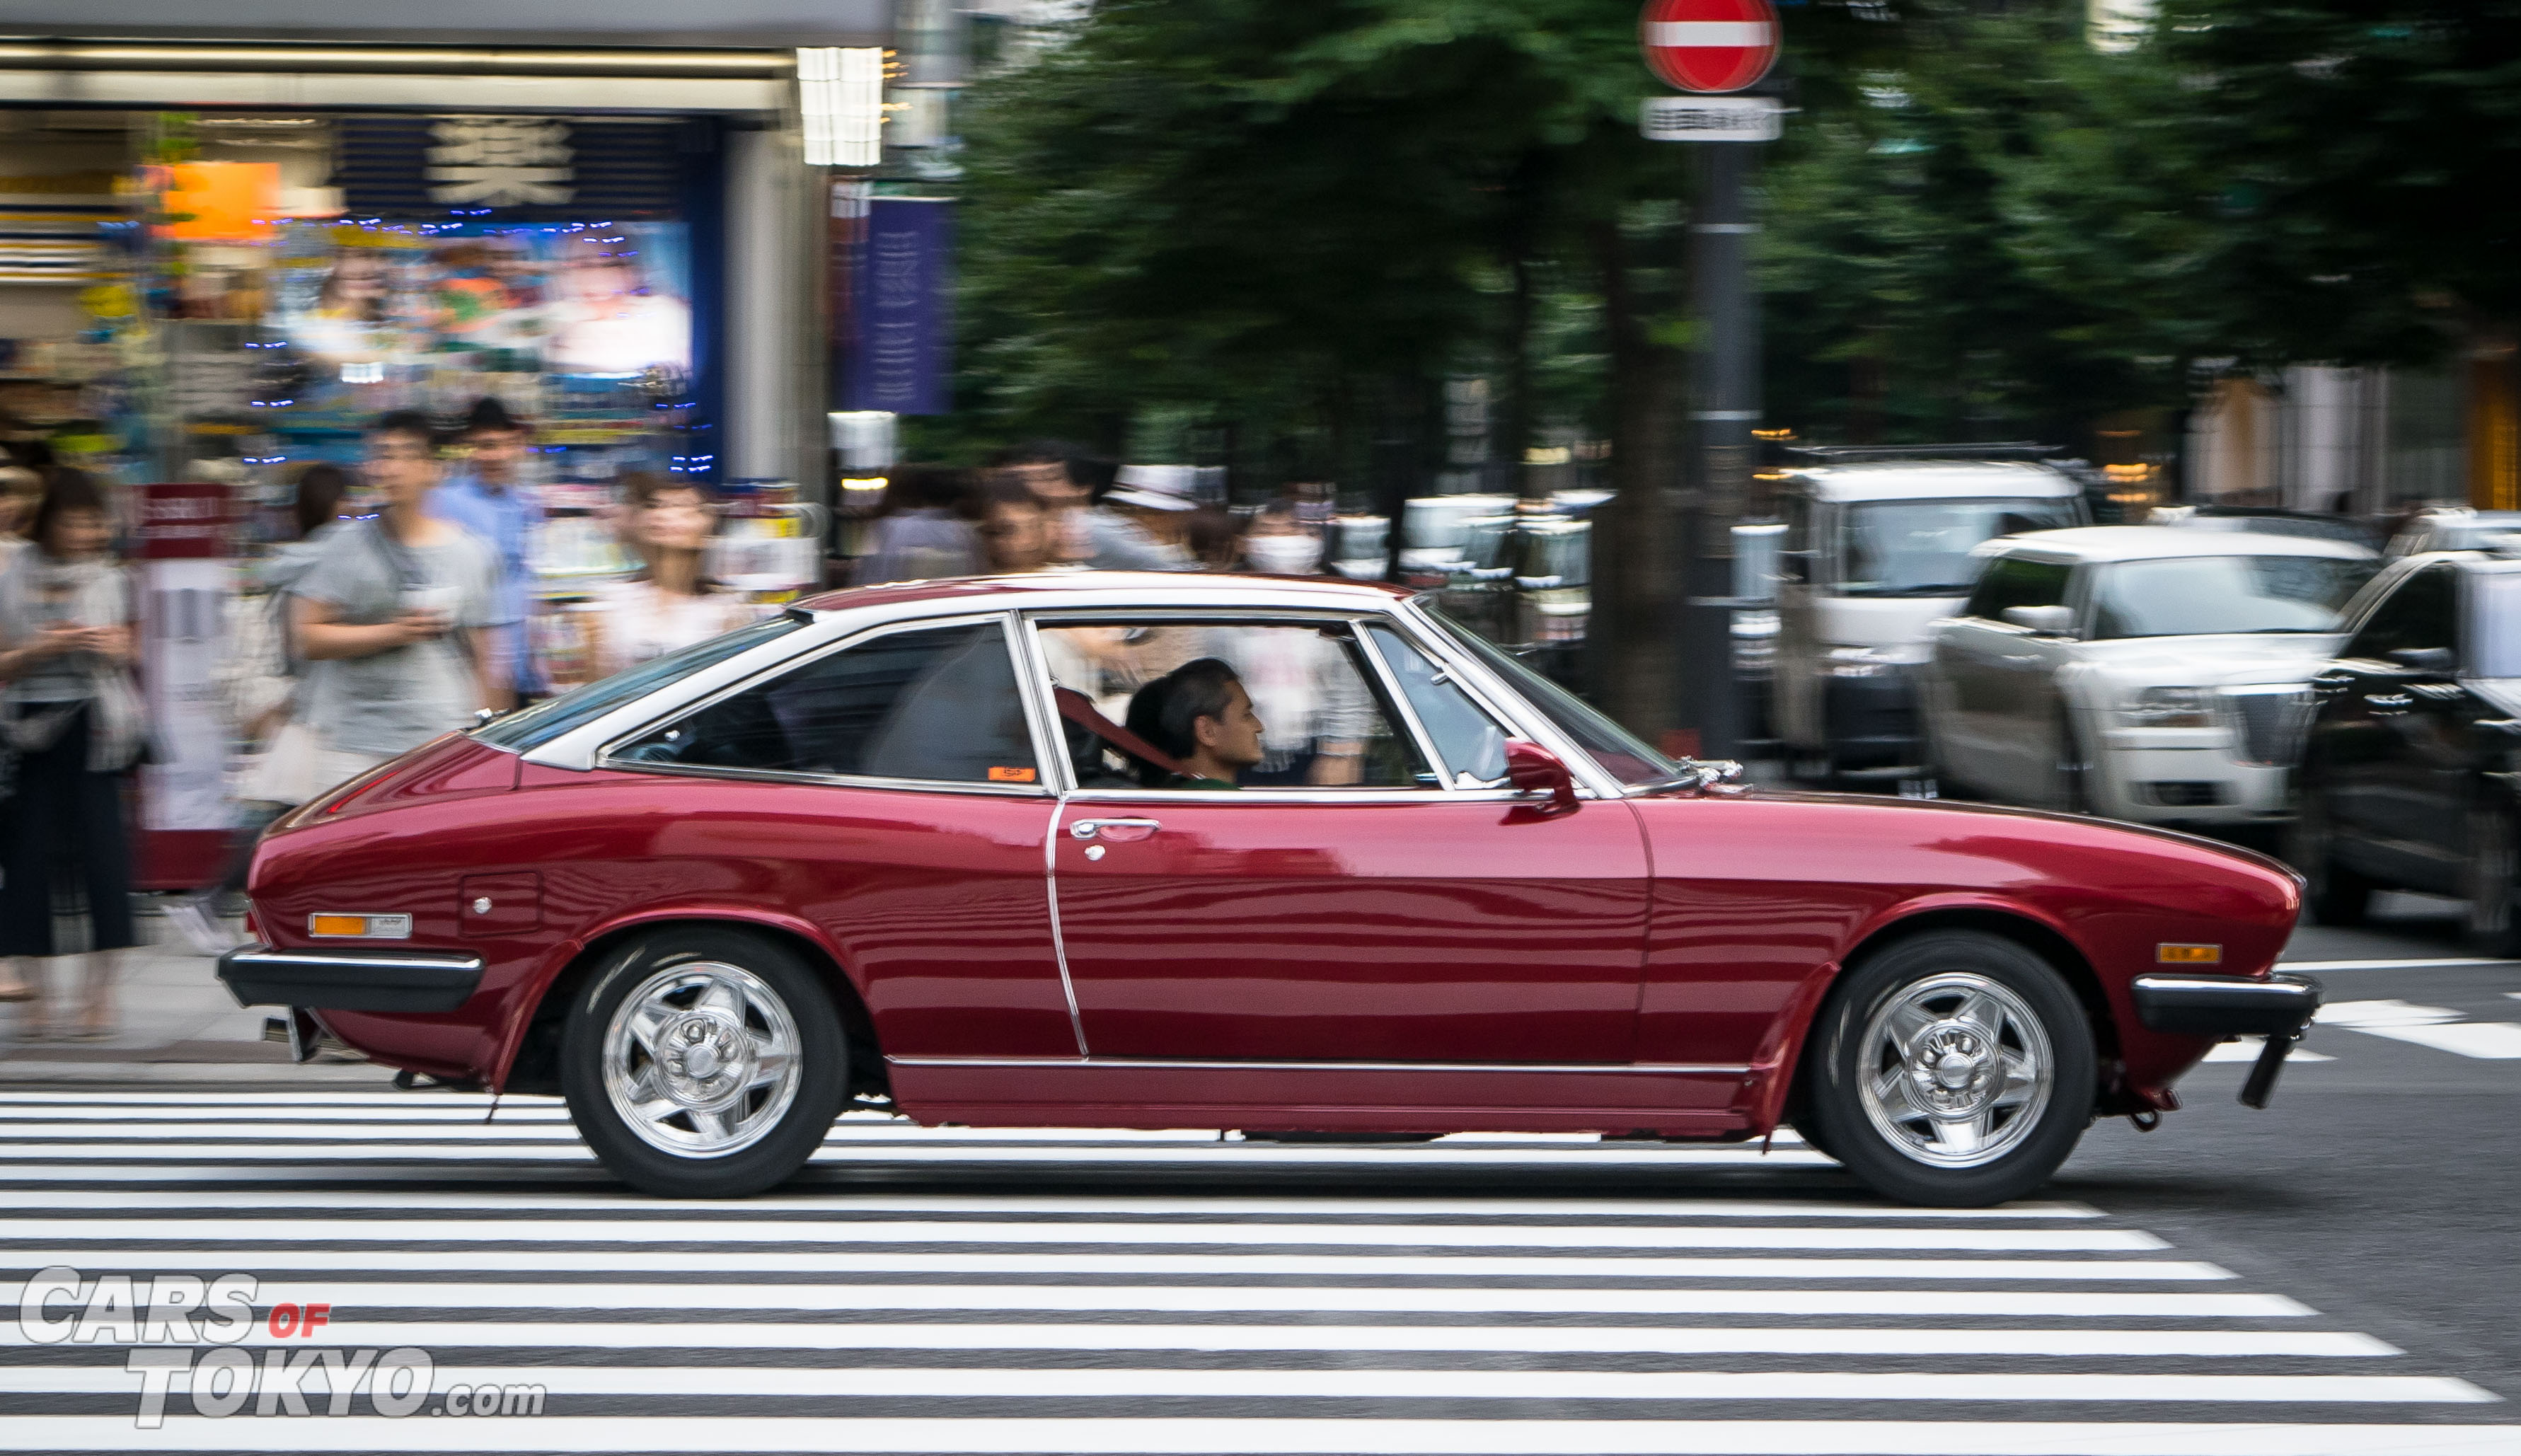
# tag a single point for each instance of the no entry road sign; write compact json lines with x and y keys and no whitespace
{"x":1709,"y":45}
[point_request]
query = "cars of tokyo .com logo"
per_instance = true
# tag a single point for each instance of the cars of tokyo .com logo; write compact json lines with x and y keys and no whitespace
{"x":187,"y":1332}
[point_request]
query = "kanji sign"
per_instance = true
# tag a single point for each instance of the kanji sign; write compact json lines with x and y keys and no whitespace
{"x":501,"y":161}
{"x":1709,"y":45}
{"x":1711,"y":119}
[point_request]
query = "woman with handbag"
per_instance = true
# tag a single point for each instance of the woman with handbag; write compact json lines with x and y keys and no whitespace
{"x":70,"y":722}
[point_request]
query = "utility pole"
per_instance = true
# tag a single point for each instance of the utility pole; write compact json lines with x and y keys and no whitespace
{"x":1724,"y":408}
{"x":1708,"y":48}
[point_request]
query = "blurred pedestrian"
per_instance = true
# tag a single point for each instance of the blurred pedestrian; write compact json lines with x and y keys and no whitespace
{"x":488,"y":495}
{"x":926,"y":530}
{"x":1212,"y":538}
{"x":21,"y":490}
{"x":1075,"y":489}
{"x":1017,"y":530}
{"x":71,"y":726}
{"x":670,"y":604}
{"x":260,"y":683}
{"x":1277,"y":541}
{"x":387,"y":617}
{"x":1154,"y":503}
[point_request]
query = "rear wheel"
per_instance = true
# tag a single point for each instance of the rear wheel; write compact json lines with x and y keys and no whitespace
{"x":706,"y":1062}
{"x":1955,"y":1070}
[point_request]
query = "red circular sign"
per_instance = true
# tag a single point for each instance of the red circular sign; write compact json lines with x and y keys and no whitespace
{"x":1709,"y":45}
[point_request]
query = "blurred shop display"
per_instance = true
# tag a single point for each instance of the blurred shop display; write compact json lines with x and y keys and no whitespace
{"x":1879,"y":543}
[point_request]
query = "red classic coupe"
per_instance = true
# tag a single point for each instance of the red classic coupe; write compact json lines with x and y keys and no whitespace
{"x":1213,"y":852}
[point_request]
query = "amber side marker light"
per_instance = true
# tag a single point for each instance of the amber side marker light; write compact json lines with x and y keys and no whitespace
{"x":331,"y":925}
{"x":2187,"y":955}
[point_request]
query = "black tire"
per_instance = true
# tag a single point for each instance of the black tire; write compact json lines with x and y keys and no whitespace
{"x":769,"y":1132}
{"x":2334,"y":895}
{"x":1954,"y":981}
{"x":2493,"y":866}
{"x":1807,"y":1127}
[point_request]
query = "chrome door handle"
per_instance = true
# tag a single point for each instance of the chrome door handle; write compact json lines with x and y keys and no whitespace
{"x":1118,"y":831}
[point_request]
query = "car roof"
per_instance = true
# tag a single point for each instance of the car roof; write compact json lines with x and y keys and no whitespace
{"x":2099,"y":543}
{"x":1084,"y":589}
{"x":1932,"y":480}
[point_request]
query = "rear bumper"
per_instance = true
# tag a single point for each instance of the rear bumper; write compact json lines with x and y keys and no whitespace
{"x":2224,"y":1005}
{"x":350,"y":980}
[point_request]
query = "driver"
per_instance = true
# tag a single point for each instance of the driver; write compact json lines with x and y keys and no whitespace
{"x":1199,"y":715}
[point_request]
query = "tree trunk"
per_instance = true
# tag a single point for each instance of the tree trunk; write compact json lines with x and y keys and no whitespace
{"x":1636,"y":539}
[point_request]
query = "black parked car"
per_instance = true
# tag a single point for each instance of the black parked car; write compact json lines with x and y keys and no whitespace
{"x":2410,"y":776}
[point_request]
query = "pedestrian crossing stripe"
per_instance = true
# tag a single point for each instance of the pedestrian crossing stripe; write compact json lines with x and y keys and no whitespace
{"x":1802,"y":1318}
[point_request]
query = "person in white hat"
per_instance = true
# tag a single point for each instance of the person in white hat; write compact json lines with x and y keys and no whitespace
{"x":1153,"y":503}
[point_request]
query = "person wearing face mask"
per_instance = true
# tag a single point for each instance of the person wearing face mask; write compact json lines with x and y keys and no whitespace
{"x":1278,"y":543}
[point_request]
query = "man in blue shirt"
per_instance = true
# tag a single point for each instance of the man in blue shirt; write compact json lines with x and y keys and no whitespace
{"x":486,"y":497}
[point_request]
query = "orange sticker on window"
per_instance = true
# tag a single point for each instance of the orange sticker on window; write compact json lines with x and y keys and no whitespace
{"x":1011,"y":775}
{"x":2187,"y":955}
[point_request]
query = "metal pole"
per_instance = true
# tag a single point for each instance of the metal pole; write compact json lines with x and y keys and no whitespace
{"x":1724,"y":408}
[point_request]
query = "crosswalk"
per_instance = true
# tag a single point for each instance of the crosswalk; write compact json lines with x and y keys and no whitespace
{"x":971,"y":1290}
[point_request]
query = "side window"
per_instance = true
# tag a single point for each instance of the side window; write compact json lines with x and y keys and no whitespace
{"x":938,"y":703}
{"x":2017,"y":581}
{"x":2423,"y":612}
{"x":1466,"y":738}
{"x":1217,"y":704}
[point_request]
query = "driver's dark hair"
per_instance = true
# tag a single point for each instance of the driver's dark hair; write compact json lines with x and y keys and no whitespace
{"x":1163,"y":711}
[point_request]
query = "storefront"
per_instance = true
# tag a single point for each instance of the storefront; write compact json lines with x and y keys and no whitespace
{"x":220,"y":257}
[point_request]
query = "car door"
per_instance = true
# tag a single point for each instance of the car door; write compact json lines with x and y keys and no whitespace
{"x":1993,"y":683}
{"x":1360,"y":898}
{"x":2378,"y":761}
{"x":886,"y":792}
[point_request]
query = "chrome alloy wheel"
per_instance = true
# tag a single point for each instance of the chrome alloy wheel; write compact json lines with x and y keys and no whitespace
{"x":1955,"y":1070}
{"x":700,"y":1059}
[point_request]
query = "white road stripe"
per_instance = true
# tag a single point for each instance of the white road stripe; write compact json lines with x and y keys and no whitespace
{"x":1520,"y":1338}
{"x":1214,"y":1154}
{"x":153,"y":1118}
{"x":1195,"y":1437}
{"x":1147,"y":1265}
{"x":799,"y":1231}
{"x":1215,"y":1299}
{"x":999,"y":1382}
{"x":1172,"y":1211}
{"x":2436,"y":1026}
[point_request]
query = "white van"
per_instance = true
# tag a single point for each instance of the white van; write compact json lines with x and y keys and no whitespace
{"x":1877,"y":549}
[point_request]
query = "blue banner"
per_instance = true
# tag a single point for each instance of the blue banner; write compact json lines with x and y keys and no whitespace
{"x":896,"y":338}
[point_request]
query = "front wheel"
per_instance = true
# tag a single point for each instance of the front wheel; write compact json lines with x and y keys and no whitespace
{"x":1955,"y":1070}
{"x":703,"y":1063}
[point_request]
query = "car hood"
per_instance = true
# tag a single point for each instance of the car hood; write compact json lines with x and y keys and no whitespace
{"x":2212,"y":659}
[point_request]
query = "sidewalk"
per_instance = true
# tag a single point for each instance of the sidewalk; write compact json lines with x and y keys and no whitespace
{"x":179,"y":1024}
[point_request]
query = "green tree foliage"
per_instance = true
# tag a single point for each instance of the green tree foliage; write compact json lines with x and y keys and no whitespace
{"x":2354,"y":171}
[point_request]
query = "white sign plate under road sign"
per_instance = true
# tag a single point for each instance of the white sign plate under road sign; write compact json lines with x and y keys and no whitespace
{"x":1712,"y":118}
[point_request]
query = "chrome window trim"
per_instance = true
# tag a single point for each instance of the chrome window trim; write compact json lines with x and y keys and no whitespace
{"x":1040,"y":789}
{"x":1400,"y":699}
{"x":1032,"y":621}
{"x":1592,"y":781}
{"x":1191,"y":1064}
{"x":1294,"y":793}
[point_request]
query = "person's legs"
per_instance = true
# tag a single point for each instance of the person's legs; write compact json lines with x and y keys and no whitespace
{"x":29,"y":827}
{"x":105,"y":873}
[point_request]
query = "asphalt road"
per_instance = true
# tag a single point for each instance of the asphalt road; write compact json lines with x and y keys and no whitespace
{"x":2332,"y":1276}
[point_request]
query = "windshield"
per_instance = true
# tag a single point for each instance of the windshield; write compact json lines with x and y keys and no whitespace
{"x":532,"y":727}
{"x":1921,"y":548}
{"x":1613,"y":746}
{"x":2191,"y":595}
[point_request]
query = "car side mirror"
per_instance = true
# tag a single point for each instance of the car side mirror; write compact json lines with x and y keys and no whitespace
{"x":1535,"y":769}
{"x":2047,"y":621}
{"x":2424,"y":658}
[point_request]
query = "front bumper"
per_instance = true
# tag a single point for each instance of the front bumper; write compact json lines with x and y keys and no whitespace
{"x":2278,"y":1008}
{"x":1871,"y":721}
{"x":349,"y":979}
